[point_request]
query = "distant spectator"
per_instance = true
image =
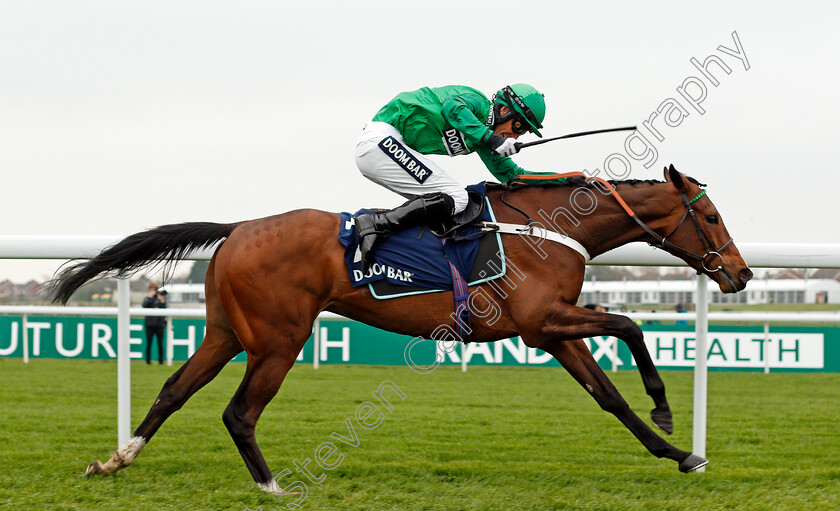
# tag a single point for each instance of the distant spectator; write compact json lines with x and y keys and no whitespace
{"x":624,"y":311}
{"x":679,"y":308}
{"x":596,"y":308}
{"x":155,"y":325}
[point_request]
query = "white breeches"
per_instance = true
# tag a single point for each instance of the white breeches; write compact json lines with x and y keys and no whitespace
{"x":383,"y":157}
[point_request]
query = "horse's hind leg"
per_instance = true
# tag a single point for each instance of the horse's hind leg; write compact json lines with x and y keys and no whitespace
{"x":262,"y":380}
{"x":578,"y":361}
{"x":272,"y":336}
{"x":219,"y":346}
{"x":210,"y":357}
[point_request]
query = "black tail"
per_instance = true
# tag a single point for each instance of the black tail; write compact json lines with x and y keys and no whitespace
{"x":164,"y":243}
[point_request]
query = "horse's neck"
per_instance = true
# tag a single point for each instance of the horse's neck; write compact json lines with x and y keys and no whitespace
{"x":612,"y":226}
{"x":608,"y":226}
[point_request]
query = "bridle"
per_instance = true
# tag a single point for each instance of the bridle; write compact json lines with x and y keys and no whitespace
{"x":708,"y":245}
{"x":706,"y":260}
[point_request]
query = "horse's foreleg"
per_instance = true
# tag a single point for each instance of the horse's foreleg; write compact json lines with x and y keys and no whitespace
{"x":578,"y":361}
{"x":567,"y":322}
{"x":218,"y":348}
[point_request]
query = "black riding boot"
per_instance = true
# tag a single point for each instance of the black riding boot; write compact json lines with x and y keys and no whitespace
{"x":422,"y":210}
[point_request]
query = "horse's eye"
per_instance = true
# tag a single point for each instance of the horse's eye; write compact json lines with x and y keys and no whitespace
{"x":712,"y":219}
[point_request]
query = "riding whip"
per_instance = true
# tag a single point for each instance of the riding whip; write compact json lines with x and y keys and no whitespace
{"x":519,"y":145}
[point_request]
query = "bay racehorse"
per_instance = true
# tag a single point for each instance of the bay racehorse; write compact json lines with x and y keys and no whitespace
{"x":270,"y":278}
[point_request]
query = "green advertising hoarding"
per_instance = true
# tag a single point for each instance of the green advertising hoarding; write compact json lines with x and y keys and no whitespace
{"x":730,"y":348}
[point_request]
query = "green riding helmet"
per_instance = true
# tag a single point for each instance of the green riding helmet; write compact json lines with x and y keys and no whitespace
{"x":526,"y":106}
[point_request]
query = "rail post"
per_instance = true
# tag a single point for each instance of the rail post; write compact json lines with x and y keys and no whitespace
{"x":701,"y":326}
{"x":24,"y":337}
{"x":463,"y":357}
{"x":615,"y":355}
{"x":123,"y":361}
{"x":765,"y":348}
{"x":170,"y":349}
{"x":316,"y":343}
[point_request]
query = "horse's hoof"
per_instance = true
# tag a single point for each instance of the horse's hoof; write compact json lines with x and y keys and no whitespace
{"x":273,"y":487}
{"x":662,"y":420}
{"x":692,"y":463}
{"x":93,"y":468}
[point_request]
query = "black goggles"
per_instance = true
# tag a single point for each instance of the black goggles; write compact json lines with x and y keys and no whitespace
{"x":519,"y":124}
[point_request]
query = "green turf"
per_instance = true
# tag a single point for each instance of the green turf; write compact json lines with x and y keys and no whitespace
{"x":493,"y":438}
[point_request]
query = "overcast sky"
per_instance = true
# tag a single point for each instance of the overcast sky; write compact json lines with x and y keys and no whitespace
{"x":120,"y":116}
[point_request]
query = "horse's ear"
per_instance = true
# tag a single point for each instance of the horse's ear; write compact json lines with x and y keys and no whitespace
{"x":674,"y":176}
{"x":665,"y":171}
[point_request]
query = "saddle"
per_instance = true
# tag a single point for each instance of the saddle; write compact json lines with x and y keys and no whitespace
{"x":425,"y":259}
{"x":489,"y":265}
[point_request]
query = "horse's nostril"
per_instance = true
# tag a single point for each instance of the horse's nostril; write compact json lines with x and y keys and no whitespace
{"x":745,"y":275}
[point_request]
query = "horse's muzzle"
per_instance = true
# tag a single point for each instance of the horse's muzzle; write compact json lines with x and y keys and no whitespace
{"x":745,"y":275}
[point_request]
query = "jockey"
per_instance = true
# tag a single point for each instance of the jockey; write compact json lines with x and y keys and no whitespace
{"x":441,"y":120}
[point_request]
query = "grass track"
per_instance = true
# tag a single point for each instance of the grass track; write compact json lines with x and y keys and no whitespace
{"x":494,"y":438}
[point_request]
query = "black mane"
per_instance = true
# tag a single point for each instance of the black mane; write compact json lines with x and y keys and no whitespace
{"x":576,"y":182}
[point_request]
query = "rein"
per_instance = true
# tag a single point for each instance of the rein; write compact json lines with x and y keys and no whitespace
{"x":662,"y":242}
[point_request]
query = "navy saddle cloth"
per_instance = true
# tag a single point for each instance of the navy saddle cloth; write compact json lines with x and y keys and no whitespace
{"x":416,"y":261}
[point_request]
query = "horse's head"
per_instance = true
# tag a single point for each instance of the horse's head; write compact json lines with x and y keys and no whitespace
{"x":701,"y":239}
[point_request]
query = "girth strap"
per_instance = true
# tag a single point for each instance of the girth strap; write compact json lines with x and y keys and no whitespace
{"x":537,"y":232}
{"x":461,"y":294}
